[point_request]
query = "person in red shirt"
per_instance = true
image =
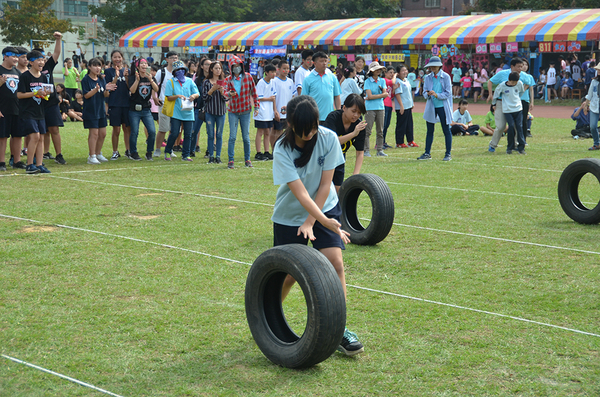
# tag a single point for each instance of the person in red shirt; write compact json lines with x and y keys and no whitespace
{"x":242,"y":94}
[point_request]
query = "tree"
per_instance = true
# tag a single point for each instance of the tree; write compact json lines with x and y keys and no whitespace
{"x":121,"y":16}
{"x":293,"y":10}
{"x":496,"y":6}
{"x":33,"y":20}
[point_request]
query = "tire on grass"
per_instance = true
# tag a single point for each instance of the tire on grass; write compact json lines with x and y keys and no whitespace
{"x":568,"y":191}
{"x":382,"y":203}
{"x":325,"y":303}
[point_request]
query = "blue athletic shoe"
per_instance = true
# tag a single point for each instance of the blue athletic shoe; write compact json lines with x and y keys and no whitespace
{"x":491,"y":149}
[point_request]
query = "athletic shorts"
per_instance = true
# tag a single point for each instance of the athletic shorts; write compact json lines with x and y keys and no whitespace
{"x":456,"y":84}
{"x":338,"y":175}
{"x":118,"y":116}
{"x":96,"y":123}
{"x":53,"y":117}
{"x":325,"y":238}
{"x":280,"y":125}
{"x":164,"y":122}
{"x":263,"y":124}
{"x":155,"y":116}
{"x":476,"y":89}
{"x":9,"y":127}
{"x":31,"y":126}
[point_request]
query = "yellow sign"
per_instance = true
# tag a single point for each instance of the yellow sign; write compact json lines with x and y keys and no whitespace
{"x":392,"y":58}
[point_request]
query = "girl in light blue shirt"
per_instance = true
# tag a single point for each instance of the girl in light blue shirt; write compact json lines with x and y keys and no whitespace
{"x":594,"y":104}
{"x":349,"y":85}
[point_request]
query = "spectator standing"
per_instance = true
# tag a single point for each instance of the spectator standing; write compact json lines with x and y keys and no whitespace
{"x":375,"y":92}
{"x":304,"y":69}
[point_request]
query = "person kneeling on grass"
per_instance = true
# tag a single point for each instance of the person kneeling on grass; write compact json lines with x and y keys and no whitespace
{"x":305,"y":158}
{"x":462,"y":122}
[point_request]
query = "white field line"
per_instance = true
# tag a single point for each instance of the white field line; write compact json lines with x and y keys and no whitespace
{"x":60,"y":375}
{"x":353,"y":286}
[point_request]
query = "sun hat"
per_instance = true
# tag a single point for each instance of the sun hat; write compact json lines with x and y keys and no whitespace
{"x":373,"y":66}
{"x":179,"y":65}
{"x":597,"y":67}
{"x":434,"y":61}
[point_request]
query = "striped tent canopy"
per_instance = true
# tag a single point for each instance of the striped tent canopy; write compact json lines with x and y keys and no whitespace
{"x":561,"y":25}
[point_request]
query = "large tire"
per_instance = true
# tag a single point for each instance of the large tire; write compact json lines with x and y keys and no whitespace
{"x":568,"y":191}
{"x":325,"y":303}
{"x":382,"y":203}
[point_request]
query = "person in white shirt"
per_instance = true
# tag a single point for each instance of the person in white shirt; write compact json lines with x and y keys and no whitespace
{"x":303,"y":70}
{"x":286,"y":89}
{"x":263,"y":121}
{"x":462,"y":122}
{"x":512,"y":108}
{"x":551,"y":82}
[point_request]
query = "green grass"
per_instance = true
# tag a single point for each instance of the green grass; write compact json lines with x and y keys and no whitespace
{"x":141,"y":319}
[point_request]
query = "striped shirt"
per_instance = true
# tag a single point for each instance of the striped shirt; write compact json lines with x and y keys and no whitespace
{"x":213,"y":104}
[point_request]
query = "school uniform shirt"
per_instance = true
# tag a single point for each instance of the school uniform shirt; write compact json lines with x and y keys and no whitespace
{"x":412,"y":78}
{"x":214,"y":104}
{"x":490,"y":119}
{"x":159,"y":77}
{"x":377,"y":87}
{"x":286,"y":90}
{"x":326,"y":155}
{"x":465,"y":118}
{"x":576,"y":72}
{"x":405,"y":95}
{"x":323,"y":88}
{"x":592,"y":96}
{"x":443,"y":86}
{"x":31,"y":108}
{"x":47,"y":72}
{"x":93,"y":108}
{"x":9,"y":103}
{"x":349,"y":86}
{"x":335,"y":123}
{"x":120,"y":96}
{"x":76,"y":106}
{"x":551,"y":78}
{"x":502,"y":77}
{"x":300,"y":75}
{"x":527,"y":80}
{"x":589,"y":75}
{"x":187,"y":89}
{"x":456,"y":74}
{"x":143,"y":94}
{"x":265,"y":90}
{"x":511,"y":97}
{"x":71,"y":79}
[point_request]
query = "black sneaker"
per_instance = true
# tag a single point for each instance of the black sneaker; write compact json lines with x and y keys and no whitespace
{"x":60,"y":159}
{"x":24,"y":152}
{"x":206,"y":155}
{"x":211,"y":160}
{"x":128,"y":155}
{"x":19,"y":165}
{"x":259,"y":156}
{"x":48,"y":156}
{"x":134,"y":156}
{"x":149,"y":156}
{"x":267,"y":156}
{"x":177,"y":148}
{"x":197,"y":149}
{"x":218,"y":160}
{"x":2,"y":166}
{"x":192,"y":154}
{"x":350,"y":345}
{"x":12,"y":160}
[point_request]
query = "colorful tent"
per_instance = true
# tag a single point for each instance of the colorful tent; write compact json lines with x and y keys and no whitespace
{"x":561,"y":25}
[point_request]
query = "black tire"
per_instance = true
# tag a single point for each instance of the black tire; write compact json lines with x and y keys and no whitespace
{"x":568,"y":191}
{"x":382,"y":203}
{"x":325,"y":304}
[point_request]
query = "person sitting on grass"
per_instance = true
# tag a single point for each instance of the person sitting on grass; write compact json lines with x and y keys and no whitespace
{"x":462,"y":122}
{"x":307,"y":205}
{"x":581,"y":115}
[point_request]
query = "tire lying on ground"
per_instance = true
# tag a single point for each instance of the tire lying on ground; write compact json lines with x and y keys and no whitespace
{"x":325,"y":303}
{"x":568,"y":191}
{"x":382,"y":203}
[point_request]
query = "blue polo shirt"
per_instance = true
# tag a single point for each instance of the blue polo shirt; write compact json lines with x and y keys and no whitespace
{"x":376,"y":87}
{"x":323,"y":88}
{"x":437,"y":87}
{"x":502,"y":76}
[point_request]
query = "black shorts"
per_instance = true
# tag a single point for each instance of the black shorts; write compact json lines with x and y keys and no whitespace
{"x":9,"y":127}
{"x":97,"y":123}
{"x":324,"y":238}
{"x":280,"y":125}
{"x":263,"y":124}
{"x":118,"y":116}
{"x":476,"y":89}
{"x":53,"y":117}
{"x":31,"y":126}
{"x":456,"y":84}
{"x":155,"y":116}
{"x":338,"y":175}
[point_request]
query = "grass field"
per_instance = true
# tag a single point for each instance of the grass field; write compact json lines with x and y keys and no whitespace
{"x":130,"y":276}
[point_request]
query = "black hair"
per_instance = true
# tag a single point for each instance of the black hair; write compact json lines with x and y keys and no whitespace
{"x":318,"y":55}
{"x":515,"y":61}
{"x":513,"y":76}
{"x":583,"y":99}
{"x":34,"y":54}
{"x":390,"y":68}
{"x":210,"y":70}
{"x":303,"y":119}
{"x":281,"y":63}
{"x":355,"y":100}
{"x":348,"y":71}
{"x":463,"y":102}
{"x":494,"y":64}
{"x":77,"y":91}
{"x":10,"y":49}
{"x":270,"y":68}
{"x":552,"y":63}
{"x":95,"y":62}
{"x":154,"y":67}
{"x":67,"y":59}
{"x":170,"y":54}
{"x":400,"y":67}
{"x":492,"y":106}
{"x":411,"y":70}
{"x":359,"y":59}
{"x":306,"y":54}
{"x":113,"y":52}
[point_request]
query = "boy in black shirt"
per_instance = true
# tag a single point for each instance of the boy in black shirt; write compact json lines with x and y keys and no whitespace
{"x":31,"y":92}
{"x":9,"y":107}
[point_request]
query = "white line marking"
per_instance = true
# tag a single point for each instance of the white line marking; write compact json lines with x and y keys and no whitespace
{"x":353,"y":286}
{"x":60,"y":375}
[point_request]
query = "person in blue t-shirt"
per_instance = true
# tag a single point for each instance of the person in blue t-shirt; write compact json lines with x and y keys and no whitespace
{"x":375,"y":92}
{"x":307,"y":206}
